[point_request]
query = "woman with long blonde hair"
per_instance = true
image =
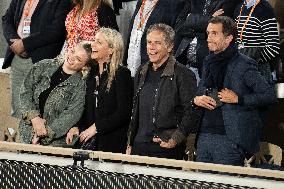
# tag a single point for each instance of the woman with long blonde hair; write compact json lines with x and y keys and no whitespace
{"x":109,"y":96}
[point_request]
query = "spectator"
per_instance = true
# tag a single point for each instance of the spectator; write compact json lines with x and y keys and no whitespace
{"x":52,"y":97}
{"x":34,"y":30}
{"x":147,"y":12}
{"x":191,"y":30}
{"x":258,"y":36}
{"x":118,"y":4}
{"x":108,"y":98}
{"x":125,"y":15}
{"x":161,"y":117}
{"x":85,"y":20}
{"x":230,"y":91}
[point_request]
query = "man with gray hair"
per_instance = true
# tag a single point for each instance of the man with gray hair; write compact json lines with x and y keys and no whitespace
{"x":161,"y":117}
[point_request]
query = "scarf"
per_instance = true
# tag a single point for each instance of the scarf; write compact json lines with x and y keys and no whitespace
{"x":215,"y":66}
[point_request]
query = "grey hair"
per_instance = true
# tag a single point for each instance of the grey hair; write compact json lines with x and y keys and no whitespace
{"x":168,"y":31}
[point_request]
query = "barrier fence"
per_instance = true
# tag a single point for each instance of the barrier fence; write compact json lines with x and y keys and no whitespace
{"x":35,"y":166}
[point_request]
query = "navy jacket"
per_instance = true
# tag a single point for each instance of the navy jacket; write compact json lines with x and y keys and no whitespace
{"x":242,"y":122}
{"x":47,"y":29}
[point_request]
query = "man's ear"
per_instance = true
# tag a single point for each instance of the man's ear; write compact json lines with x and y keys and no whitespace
{"x":170,"y":48}
{"x":229,"y":39}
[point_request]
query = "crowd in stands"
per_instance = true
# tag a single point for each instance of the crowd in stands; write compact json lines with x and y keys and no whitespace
{"x":188,"y":66}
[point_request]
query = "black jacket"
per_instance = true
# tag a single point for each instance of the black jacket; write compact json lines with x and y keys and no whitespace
{"x":113,"y":111}
{"x":165,"y":11}
{"x":117,"y":4}
{"x":195,"y":24}
{"x":172,"y":113}
{"x":106,"y":17}
{"x":47,"y":29}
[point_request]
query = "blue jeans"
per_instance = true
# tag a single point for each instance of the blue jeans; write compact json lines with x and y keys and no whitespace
{"x":218,"y":149}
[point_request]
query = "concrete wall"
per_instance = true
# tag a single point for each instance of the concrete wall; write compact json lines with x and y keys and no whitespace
{"x":3,"y":7}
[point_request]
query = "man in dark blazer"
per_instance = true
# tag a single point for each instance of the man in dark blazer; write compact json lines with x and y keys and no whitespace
{"x":34,"y":30}
{"x":160,"y":11}
{"x":229,"y":93}
{"x":192,"y":23}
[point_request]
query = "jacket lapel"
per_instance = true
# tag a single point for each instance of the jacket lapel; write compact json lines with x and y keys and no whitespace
{"x":40,"y":3}
{"x":214,"y":6}
{"x":143,"y":73}
{"x":154,"y":14}
{"x":133,"y":16}
{"x":20,"y":13}
{"x":230,"y":70}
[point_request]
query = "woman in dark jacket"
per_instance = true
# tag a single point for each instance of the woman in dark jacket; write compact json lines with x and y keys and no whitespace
{"x":108,"y":97}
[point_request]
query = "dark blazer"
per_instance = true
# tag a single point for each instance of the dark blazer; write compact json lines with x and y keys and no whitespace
{"x":172,"y":113}
{"x":195,"y":25}
{"x":117,"y":4}
{"x":106,"y":17}
{"x":165,"y":11}
{"x":242,"y":122}
{"x":47,"y":29}
{"x":113,"y":111}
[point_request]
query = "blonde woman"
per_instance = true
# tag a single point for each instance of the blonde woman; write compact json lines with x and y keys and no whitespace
{"x":52,"y":97}
{"x":85,"y":20}
{"x":108,"y":96}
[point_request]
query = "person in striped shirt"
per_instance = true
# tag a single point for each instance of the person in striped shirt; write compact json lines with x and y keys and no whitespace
{"x":258,"y":36}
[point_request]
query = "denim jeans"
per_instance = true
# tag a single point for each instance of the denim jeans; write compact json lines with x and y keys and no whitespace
{"x":215,"y":148}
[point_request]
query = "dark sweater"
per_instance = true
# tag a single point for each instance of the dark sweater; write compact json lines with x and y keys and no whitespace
{"x":212,"y":122}
{"x":146,"y":129}
{"x":58,"y":77}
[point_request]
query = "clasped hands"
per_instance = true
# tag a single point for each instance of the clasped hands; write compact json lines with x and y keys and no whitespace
{"x":84,"y":136}
{"x":225,"y":96}
{"x":38,"y":125}
{"x":18,"y":47}
{"x":169,"y":144}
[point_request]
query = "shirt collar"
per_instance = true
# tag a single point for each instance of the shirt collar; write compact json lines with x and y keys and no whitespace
{"x":250,"y":3}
